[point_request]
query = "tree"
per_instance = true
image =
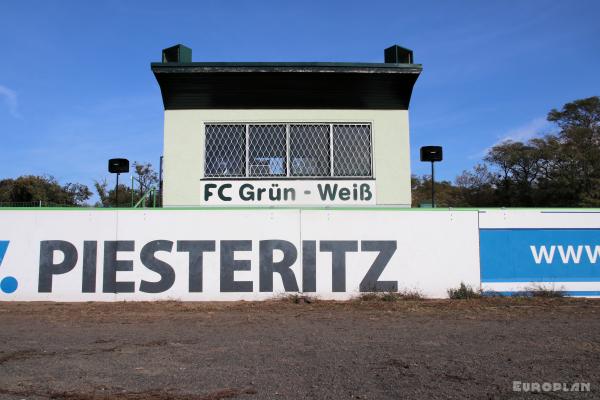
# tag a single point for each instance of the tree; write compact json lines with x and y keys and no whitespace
{"x":446,"y":195}
{"x":108,"y":198}
{"x":42,"y":190}
{"x":478,"y":187}
{"x":584,"y":113}
{"x":558,"y":170}
{"x":145,"y":179}
{"x":519,"y":165}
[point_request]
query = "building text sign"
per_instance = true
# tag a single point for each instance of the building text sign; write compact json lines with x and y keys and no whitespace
{"x":286,"y":192}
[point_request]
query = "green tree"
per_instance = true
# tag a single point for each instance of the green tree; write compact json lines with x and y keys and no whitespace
{"x":42,"y":190}
{"x":558,"y":170}
{"x":145,"y":179}
{"x":446,"y":194}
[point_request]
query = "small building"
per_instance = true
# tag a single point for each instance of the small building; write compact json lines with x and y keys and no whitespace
{"x":286,"y":133}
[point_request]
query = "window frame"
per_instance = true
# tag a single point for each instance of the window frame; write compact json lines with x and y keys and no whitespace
{"x":288,"y":175}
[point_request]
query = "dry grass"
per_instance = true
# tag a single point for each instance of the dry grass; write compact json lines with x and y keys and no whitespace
{"x":406,"y":294}
{"x":464,"y":292}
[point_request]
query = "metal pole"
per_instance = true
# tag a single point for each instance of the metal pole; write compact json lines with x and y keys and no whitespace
{"x":117,"y":191}
{"x":432,"y":186}
{"x":132,"y":201}
{"x":160,"y":181}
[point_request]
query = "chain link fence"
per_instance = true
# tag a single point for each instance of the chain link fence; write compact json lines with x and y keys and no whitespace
{"x":288,"y":150}
{"x":36,"y":204}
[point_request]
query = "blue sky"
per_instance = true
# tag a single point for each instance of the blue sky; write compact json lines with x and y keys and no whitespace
{"x":76,"y":86}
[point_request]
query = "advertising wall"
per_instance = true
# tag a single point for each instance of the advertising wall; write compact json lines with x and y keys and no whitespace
{"x":254,"y":254}
{"x":234,"y":254}
{"x":552,"y":249}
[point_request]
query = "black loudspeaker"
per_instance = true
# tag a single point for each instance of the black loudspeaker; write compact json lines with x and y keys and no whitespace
{"x":118,"y":165}
{"x":431,"y":153}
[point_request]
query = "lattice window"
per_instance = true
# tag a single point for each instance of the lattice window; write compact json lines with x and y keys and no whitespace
{"x":225,"y":151}
{"x":309,"y":150}
{"x":267,"y":150}
{"x":352,"y":150}
{"x":288,"y":150}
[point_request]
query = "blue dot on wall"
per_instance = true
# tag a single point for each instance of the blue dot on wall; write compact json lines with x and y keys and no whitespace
{"x":9,"y":284}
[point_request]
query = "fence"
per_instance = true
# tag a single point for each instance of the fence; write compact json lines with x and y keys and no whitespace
{"x":254,"y":254}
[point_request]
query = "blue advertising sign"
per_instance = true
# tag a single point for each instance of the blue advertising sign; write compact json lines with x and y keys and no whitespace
{"x":540,"y":255}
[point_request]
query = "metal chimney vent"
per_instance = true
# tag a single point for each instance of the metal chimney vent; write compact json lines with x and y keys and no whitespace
{"x":398,"y":55}
{"x":177,"y":54}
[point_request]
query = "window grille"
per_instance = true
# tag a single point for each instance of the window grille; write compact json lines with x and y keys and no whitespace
{"x":267,"y":150}
{"x":225,"y":151}
{"x":310,"y":150}
{"x":288,"y":150}
{"x":351,"y":150}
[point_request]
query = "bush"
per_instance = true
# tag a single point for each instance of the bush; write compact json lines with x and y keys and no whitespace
{"x":464,"y":292}
{"x":297,"y":298}
{"x":541,"y":291}
{"x":391,"y":296}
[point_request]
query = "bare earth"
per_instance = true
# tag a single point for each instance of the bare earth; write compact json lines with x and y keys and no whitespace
{"x":280,"y":350}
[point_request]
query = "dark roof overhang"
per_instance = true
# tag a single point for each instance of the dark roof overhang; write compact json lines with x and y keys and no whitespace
{"x":262,"y":85}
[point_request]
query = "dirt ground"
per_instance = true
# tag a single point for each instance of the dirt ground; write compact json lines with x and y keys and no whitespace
{"x":426,"y":349}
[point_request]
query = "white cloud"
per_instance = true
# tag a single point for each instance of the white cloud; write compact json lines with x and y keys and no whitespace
{"x":527,"y":131}
{"x":10,"y":98}
{"x":534,"y":128}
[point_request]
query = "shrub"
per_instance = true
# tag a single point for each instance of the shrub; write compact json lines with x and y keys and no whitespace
{"x":391,"y":296}
{"x":542,"y":291}
{"x":464,"y":292}
{"x":297,"y":298}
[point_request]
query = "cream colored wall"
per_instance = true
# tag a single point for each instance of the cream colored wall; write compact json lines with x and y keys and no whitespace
{"x":183,"y":163}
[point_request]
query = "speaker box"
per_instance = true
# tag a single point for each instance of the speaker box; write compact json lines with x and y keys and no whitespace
{"x":431,"y":153}
{"x":118,"y":165}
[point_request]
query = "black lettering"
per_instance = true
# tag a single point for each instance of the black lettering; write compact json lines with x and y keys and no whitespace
{"x":196,"y":249}
{"x":283,"y":267}
{"x":229,"y":265}
{"x":289,"y":194}
{"x":386,"y":249}
{"x":208,"y":190}
{"x":112,"y":265}
{"x":326,"y":192}
{"x":247,"y":192}
{"x":47,"y":266}
{"x":309,"y":262}
{"x":90,"y":259}
{"x":221,"y":192}
{"x":338,"y":251}
{"x":166,"y":272}
{"x":259,"y":193}
{"x":344,"y":194}
{"x":365,"y":192}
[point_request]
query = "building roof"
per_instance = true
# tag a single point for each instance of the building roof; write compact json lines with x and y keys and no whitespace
{"x":284,"y":85}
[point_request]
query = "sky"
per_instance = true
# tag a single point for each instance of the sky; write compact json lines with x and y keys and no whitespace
{"x":76,"y":87}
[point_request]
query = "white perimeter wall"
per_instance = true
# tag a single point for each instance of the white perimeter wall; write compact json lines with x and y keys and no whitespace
{"x":431,"y":251}
{"x":434,"y":250}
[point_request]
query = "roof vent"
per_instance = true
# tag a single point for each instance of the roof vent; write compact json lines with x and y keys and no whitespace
{"x":398,"y":55}
{"x":177,"y":54}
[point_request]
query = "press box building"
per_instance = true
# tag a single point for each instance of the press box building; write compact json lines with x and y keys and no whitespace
{"x":279,"y":133}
